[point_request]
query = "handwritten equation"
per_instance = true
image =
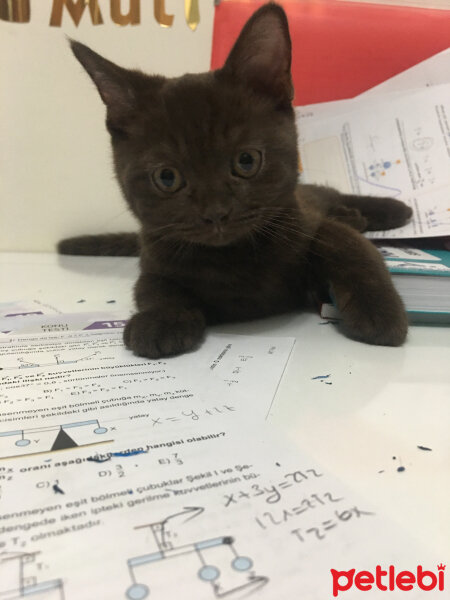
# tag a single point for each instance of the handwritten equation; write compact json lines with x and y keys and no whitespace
{"x":319,"y":532}
{"x":272,"y":494}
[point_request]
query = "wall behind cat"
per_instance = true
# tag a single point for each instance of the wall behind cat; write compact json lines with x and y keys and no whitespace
{"x":56,"y":176}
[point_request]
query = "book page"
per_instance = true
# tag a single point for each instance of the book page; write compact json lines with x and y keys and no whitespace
{"x":26,"y":308}
{"x":84,"y":388}
{"x":406,"y":253}
{"x":400,"y":149}
{"x":38,"y":323}
{"x":223,"y":511}
{"x":126,"y":478}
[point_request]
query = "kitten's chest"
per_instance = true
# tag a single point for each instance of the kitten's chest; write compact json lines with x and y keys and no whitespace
{"x":247,"y":286}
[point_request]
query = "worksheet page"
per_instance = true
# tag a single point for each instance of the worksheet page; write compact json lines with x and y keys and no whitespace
{"x":399,"y":149}
{"x":85,"y":389}
{"x":127,"y":478}
{"x":209,"y":511}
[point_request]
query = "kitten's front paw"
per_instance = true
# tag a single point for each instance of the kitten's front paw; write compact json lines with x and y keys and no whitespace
{"x":389,"y":214}
{"x":381,"y":324}
{"x":164,"y":332}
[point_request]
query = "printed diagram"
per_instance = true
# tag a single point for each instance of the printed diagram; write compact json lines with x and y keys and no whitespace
{"x":15,"y":583}
{"x":40,"y":440}
{"x":57,"y":360}
{"x":380,"y":168}
{"x":214,"y":562}
{"x":422,"y":144}
{"x":437,"y":216}
{"x":377,"y":173}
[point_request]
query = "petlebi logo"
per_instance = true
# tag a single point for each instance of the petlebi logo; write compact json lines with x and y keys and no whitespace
{"x":388,"y":580}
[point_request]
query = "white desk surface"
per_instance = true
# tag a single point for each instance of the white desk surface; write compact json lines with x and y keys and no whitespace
{"x":383,"y":402}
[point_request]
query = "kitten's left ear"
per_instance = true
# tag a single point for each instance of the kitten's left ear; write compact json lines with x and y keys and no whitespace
{"x":261,"y":56}
{"x":112,"y":81}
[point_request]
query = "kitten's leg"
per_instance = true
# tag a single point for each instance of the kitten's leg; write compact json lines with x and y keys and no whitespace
{"x":371,"y":309}
{"x":103,"y":244}
{"x":380,"y":213}
{"x":361,"y":212}
{"x":349,"y":216}
{"x":168,"y":322}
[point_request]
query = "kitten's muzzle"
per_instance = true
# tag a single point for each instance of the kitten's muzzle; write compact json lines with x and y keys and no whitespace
{"x":216,"y":217}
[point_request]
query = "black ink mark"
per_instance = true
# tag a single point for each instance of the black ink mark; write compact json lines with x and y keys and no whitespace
{"x":321,"y":376}
{"x":57,"y":489}
{"x":80,"y":301}
{"x":401,"y":468}
{"x":98,"y":459}
{"x":425,"y":448}
{"x":110,"y":302}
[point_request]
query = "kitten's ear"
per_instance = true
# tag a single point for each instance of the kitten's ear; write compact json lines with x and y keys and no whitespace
{"x":261,"y":56}
{"x":112,"y":81}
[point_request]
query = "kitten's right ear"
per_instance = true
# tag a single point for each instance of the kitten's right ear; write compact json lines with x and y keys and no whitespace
{"x":112,"y":81}
{"x":261,"y":56}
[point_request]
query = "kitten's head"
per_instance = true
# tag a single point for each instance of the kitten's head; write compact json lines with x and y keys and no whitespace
{"x":206,"y":158}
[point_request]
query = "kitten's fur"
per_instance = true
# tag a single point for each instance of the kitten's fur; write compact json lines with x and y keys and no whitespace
{"x":236,"y":241}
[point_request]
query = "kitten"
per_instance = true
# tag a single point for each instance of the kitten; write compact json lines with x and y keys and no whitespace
{"x":208,"y":164}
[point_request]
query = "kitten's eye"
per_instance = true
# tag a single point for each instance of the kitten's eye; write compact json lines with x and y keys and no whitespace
{"x":168,"y":179}
{"x":246,"y":163}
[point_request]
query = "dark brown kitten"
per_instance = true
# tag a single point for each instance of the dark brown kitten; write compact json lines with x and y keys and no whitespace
{"x":208,"y":164}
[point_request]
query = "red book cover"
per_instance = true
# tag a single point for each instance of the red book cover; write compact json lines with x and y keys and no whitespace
{"x":341,"y":49}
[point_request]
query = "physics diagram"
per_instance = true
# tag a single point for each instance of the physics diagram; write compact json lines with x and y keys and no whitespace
{"x":51,"y":438}
{"x":212,"y":562}
{"x":16,"y":583}
{"x":54,"y":362}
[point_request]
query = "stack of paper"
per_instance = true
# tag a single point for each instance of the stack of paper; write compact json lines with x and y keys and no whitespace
{"x":393,"y":140}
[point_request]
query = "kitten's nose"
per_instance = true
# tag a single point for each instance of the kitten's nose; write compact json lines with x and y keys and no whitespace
{"x":218,"y":216}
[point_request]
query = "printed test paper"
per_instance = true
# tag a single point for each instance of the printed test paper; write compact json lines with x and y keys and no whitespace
{"x":398,"y":147}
